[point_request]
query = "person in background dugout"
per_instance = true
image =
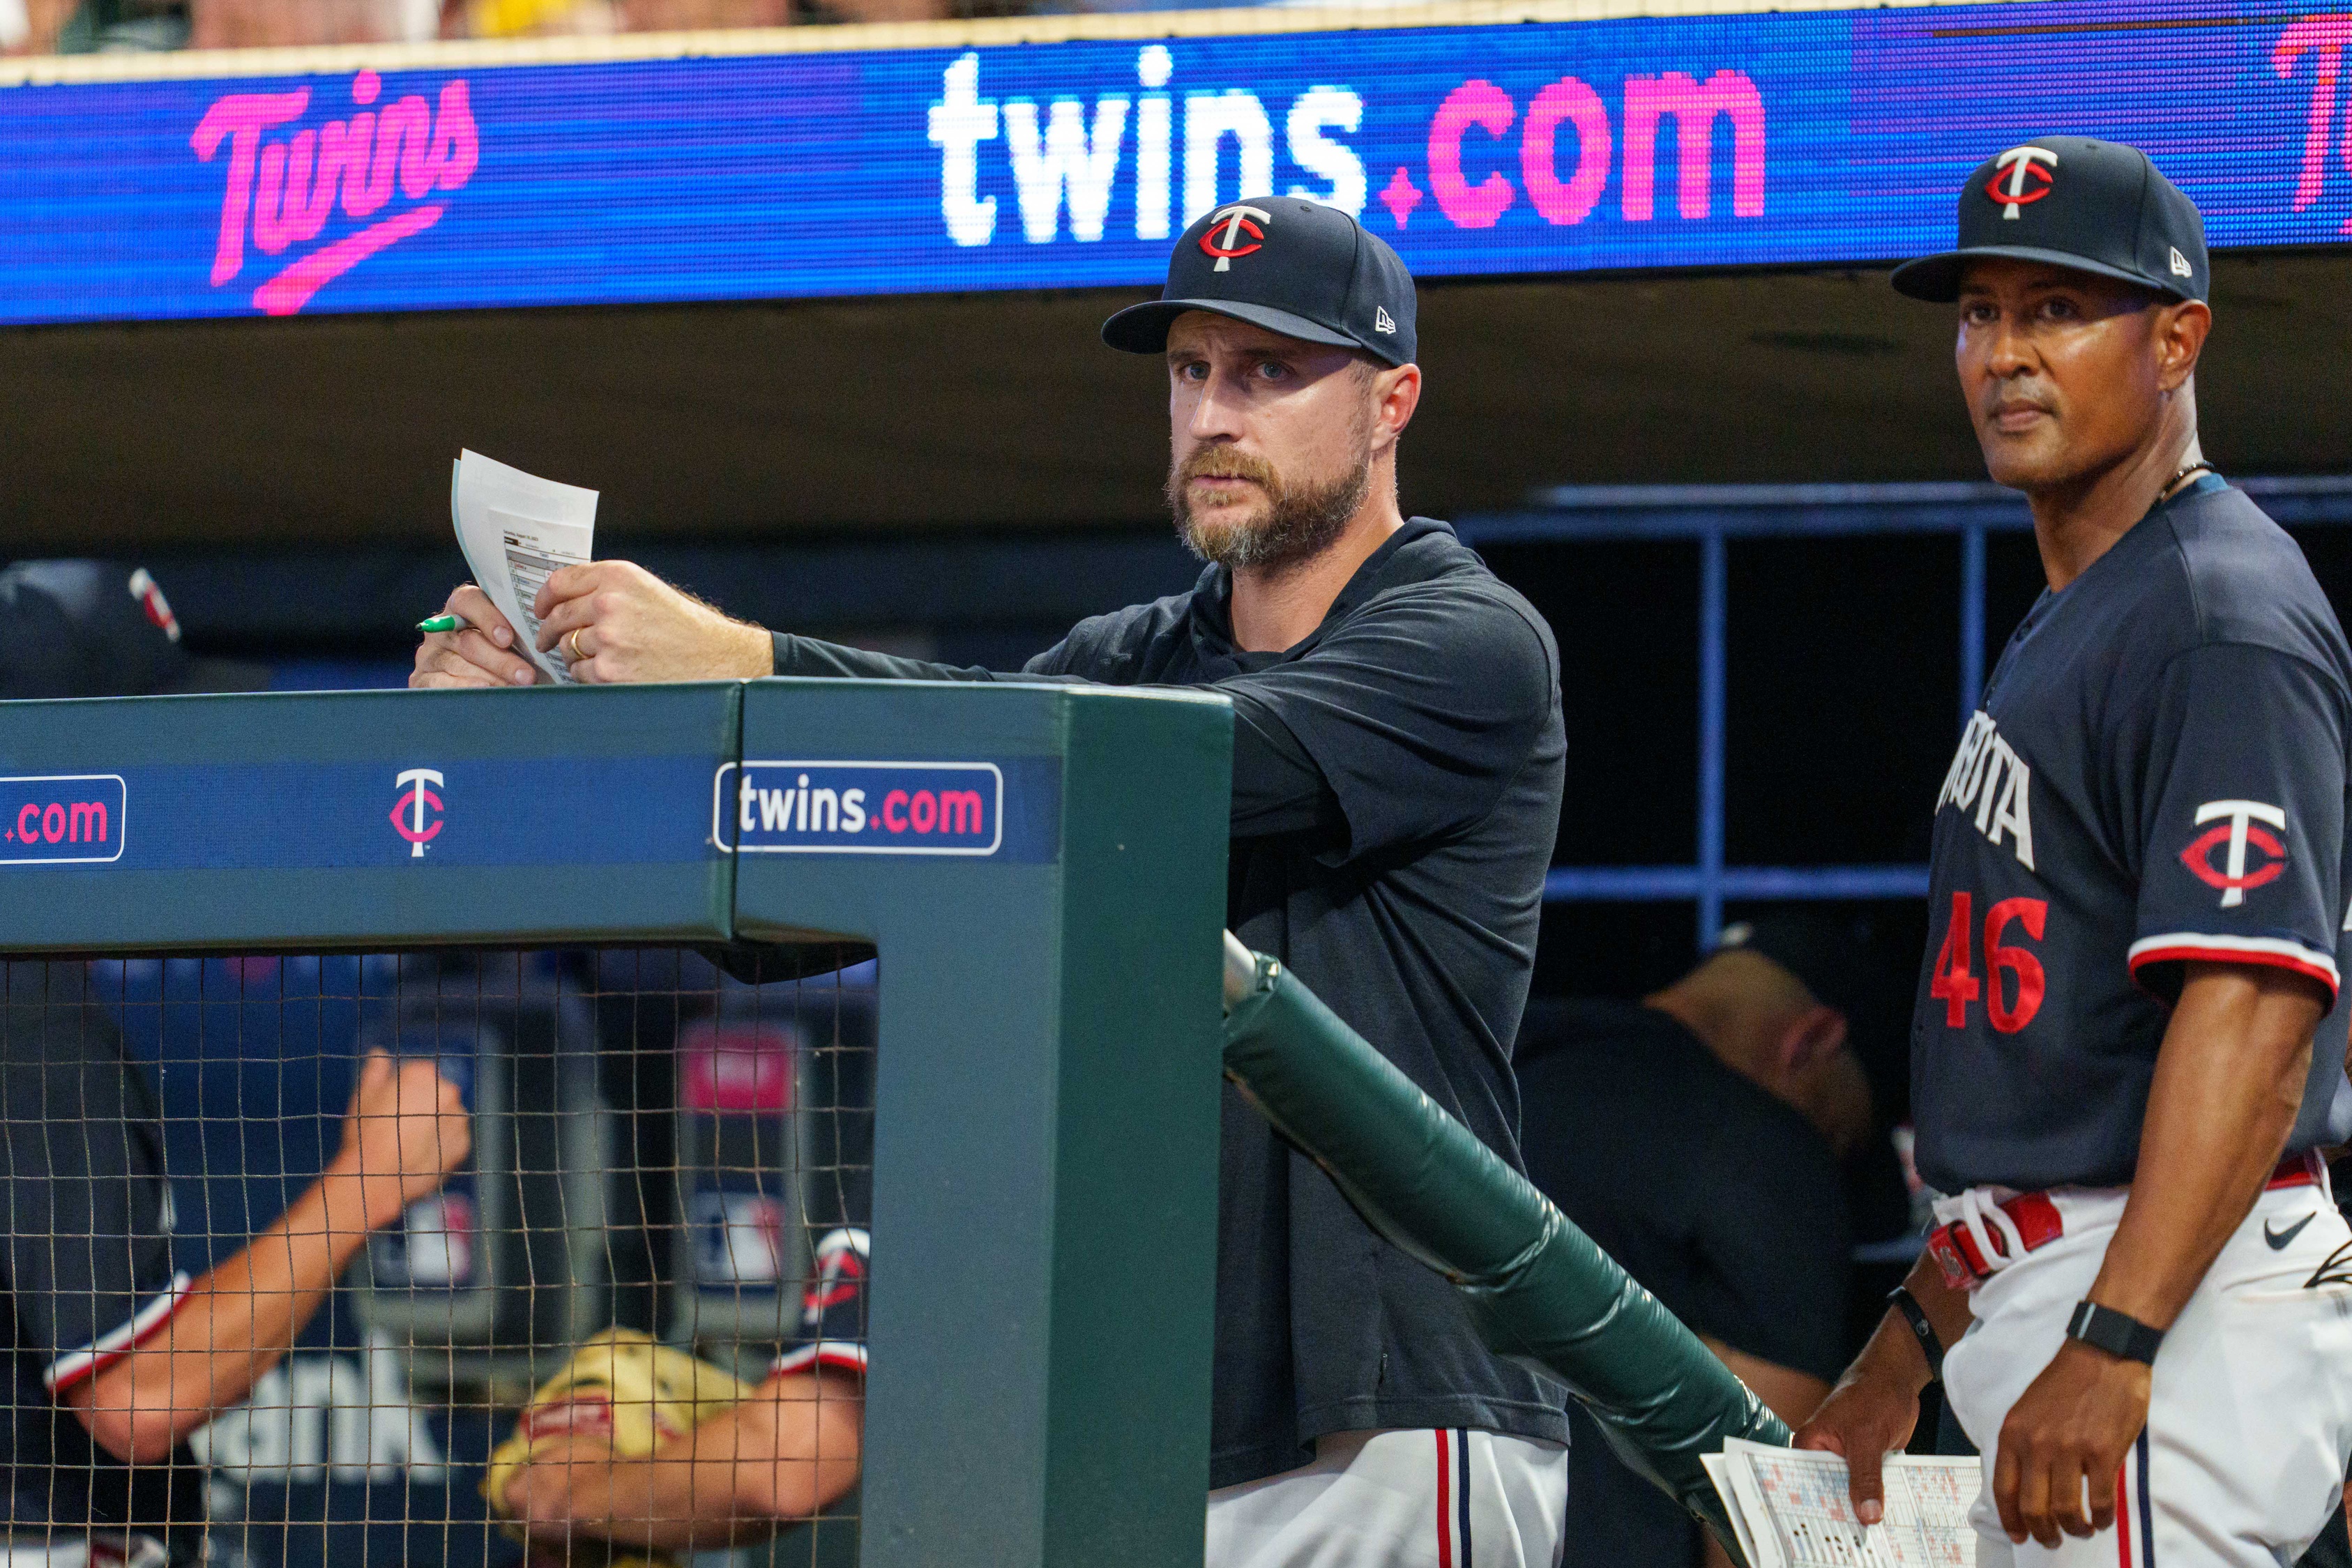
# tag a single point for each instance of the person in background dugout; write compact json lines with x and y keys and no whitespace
{"x":114,"y":1357}
{"x":1698,"y":1137}
{"x":1398,"y":759}
{"x":95,"y":629}
{"x":788,"y":1450}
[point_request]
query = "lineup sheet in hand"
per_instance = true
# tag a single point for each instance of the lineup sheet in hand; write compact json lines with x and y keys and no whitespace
{"x":1790,"y":1510}
{"x":516,"y":530}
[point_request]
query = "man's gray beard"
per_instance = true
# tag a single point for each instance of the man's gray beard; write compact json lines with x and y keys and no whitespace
{"x":1297,"y":524}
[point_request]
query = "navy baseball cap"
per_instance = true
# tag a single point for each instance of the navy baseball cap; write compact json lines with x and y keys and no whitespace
{"x":2071,"y":201}
{"x":94,"y":629}
{"x":1839,"y":957}
{"x":1290,"y":265}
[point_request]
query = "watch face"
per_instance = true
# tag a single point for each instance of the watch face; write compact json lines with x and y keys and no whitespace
{"x":2118,"y":1333}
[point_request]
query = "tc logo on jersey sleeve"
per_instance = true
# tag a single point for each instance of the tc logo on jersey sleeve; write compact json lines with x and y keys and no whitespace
{"x":2249,"y":856}
{"x":1989,"y":775}
{"x":840,"y":1275}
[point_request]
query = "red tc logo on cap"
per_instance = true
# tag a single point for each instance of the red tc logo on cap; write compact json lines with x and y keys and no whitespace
{"x":1223,"y":237}
{"x":2020,"y":178}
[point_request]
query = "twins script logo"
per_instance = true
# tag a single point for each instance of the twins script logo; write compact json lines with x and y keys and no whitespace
{"x":2235,"y":829}
{"x":2322,"y":38}
{"x":408,"y":812}
{"x":283,"y":192}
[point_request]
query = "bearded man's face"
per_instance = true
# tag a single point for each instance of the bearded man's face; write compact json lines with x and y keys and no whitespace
{"x":1270,"y":441}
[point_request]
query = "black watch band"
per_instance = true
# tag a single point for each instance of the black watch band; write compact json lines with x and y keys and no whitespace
{"x":2120,"y":1335}
{"x":1931,"y":1343}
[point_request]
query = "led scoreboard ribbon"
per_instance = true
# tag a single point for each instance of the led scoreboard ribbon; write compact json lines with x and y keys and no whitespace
{"x":1823,"y":137}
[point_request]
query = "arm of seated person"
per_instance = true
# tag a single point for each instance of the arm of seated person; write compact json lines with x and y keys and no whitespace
{"x":1788,"y":1394}
{"x":787,"y":1451}
{"x":404,"y":1131}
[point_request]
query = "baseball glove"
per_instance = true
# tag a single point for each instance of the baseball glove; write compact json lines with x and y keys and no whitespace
{"x":631,"y":1392}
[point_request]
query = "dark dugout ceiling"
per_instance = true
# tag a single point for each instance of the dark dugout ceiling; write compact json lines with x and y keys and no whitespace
{"x":744,"y":420}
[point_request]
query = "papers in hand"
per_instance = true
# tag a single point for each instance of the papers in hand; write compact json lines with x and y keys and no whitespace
{"x":1790,"y":1510}
{"x":516,"y":531}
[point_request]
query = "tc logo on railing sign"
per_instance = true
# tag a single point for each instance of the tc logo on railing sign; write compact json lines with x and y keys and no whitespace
{"x":62,"y":818}
{"x":408,"y":810}
{"x":858,"y":808}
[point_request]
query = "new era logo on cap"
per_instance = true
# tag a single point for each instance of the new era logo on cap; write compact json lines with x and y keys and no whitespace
{"x":2180,"y":267}
{"x":1380,"y":322}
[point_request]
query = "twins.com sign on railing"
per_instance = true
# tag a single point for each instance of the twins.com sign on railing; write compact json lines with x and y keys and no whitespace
{"x":1695,"y":142}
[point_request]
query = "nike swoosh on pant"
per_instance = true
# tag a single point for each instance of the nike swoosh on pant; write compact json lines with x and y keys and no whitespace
{"x":2279,"y":1239}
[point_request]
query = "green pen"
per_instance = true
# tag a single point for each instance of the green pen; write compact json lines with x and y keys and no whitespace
{"x":444,"y":624}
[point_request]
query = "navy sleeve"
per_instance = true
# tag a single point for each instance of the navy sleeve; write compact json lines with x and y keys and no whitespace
{"x":88,"y":1254}
{"x":2242,"y":817}
{"x":832,"y":1309}
{"x":797,"y":655}
{"x":1414,"y":717}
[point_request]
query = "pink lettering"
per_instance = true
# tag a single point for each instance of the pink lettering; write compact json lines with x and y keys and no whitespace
{"x":1694,"y":107}
{"x":240,"y":119}
{"x":291,"y":209}
{"x":2323,"y":39}
{"x":456,"y":145}
{"x":287,"y":190}
{"x":1483,"y":104}
{"x":1569,"y":203}
{"x":362,"y":200}
{"x":291,"y":289}
{"x":406,"y":131}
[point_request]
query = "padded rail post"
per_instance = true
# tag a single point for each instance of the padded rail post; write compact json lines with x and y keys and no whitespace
{"x":1046,"y":1098}
{"x":1539,"y":1289}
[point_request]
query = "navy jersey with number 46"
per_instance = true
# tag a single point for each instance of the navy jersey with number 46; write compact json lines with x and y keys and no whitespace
{"x":2157,"y":775}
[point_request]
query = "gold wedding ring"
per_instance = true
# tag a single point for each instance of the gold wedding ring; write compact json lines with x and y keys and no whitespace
{"x":572,"y":646}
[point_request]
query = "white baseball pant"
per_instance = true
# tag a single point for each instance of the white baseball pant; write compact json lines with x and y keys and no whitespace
{"x":2249,"y":1423}
{"x":1398,"y":1499}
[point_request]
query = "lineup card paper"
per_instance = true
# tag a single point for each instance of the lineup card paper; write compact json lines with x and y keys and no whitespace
{"x":517,"y":530}
{"x":1790,"y":1510}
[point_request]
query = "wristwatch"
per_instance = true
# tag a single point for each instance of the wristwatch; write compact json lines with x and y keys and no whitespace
{"x":2120,"y":1334}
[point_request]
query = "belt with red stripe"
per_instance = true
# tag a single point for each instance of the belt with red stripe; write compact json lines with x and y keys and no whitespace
{"x":2036,"y":1217}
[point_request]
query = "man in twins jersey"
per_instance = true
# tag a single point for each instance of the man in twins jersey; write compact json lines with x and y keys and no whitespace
{"x":2129,"y":1044}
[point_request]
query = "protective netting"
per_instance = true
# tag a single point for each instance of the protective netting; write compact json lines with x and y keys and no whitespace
{"x":208,"y":1239}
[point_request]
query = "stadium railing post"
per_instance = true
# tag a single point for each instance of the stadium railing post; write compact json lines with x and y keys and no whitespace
{"x":1046,"y":1114}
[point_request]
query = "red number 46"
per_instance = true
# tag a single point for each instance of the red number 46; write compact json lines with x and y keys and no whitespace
{"x":1954,"y":982}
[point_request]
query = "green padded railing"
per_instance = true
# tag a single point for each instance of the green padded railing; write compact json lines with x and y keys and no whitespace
{"x":1540,"y":1291}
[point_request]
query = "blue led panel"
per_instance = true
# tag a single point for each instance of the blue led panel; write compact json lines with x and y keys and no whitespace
{"x":1691,"y":142}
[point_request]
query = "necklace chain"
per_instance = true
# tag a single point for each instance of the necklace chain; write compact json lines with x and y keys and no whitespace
{"x":2187,"y":469}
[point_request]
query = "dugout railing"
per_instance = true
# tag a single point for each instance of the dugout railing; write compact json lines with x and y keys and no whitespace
{"x":1038,"y":871}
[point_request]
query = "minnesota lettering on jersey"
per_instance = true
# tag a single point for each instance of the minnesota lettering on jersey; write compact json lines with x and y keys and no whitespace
{"x":1988,"y":774}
